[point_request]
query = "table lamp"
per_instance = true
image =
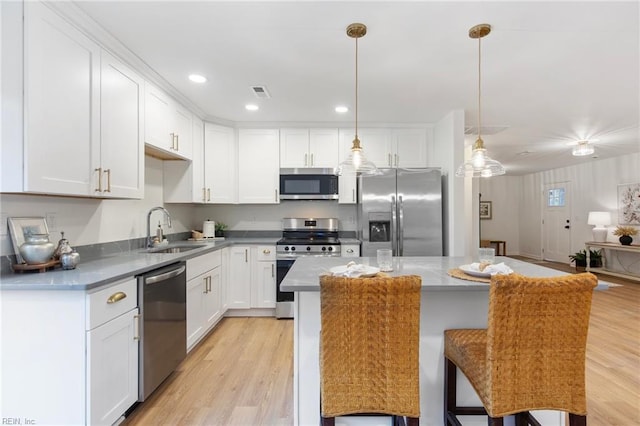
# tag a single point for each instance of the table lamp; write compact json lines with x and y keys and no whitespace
{"x":600,"y":220}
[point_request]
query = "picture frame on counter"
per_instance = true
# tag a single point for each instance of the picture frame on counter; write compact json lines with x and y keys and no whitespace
{"x":21,"y":226}
{"x":485,"y":209}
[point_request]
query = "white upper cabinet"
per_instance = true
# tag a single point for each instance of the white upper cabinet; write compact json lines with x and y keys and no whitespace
{"x":167,"y":130}
{"x":309,"y":148}
{"x":258,"y":166}
{"x":183,"y":181}
{"x":409,"y":148}
{"x":119,"y":169}
{"x":62,"y":105}
{"x":220,"y":173}
{"x":389,"y":147}
{"x":82,"y":115}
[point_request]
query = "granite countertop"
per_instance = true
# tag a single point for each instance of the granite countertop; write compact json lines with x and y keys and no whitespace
{"x":108,"y":269}
{"x":303,"y":275}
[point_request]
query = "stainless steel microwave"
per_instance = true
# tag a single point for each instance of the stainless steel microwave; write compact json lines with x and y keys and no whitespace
{"x":308,"y":184}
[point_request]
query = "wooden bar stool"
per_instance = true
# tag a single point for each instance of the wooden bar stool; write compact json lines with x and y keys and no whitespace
{"x":532,"y":354}
{"x":369,"y":347}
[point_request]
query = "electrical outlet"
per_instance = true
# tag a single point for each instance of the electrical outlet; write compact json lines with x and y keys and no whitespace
{"x":52,"y":221}
{"x":3,"y":223}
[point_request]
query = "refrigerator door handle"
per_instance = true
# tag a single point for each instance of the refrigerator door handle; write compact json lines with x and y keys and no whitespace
{"x":394,"y":227}
{"x":400,"y":226}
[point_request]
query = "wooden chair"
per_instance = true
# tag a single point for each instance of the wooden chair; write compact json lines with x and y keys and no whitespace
{"x":369,"y":347}
{"x":532,"y":354}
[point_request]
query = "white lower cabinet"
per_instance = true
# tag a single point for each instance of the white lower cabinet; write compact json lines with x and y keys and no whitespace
{"x":252,"y":277}
{"x":80,"y":365}
{"x":112,"y":369}
{"x":112,"y":352}
{"x":263,"y":283}
{"x":204,"y":301}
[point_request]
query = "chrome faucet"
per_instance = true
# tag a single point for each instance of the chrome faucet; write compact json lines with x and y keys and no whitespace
{"x":149,"y":238}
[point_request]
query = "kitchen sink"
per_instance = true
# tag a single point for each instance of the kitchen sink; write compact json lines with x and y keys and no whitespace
{"x":175,"y":248}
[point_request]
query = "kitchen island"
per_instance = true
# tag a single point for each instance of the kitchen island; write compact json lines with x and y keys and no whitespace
{"x":446,"y":302}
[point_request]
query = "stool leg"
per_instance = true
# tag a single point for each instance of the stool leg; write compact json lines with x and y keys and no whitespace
{"x":449,"y":389}
{"x":495,"y":421}
{"x":327,"y":421}
{"x":577,"y":420}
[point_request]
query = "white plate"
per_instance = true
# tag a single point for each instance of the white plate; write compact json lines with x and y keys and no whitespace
{"x":473,"y":272}
{"x":368,"y":271}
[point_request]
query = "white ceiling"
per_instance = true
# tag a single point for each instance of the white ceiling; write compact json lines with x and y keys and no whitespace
{"x":552,"y":72}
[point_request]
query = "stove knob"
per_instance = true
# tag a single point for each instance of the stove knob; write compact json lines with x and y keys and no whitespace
{"x":330,"y":248}
{"x":308,"y":248}
{"x":325,"y":249}
{"x":286,"y":248}
{"x":293,"y":249}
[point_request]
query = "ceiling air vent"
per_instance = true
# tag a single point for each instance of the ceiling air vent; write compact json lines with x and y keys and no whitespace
{"x":260,"y":92}
{"x":486,"y":130}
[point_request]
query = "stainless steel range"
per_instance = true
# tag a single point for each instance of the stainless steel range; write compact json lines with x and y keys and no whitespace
{"x":302,"y":237}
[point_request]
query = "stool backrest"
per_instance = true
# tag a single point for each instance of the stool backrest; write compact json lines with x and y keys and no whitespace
{"x":536,"y":342}
{"x":369,"y":345}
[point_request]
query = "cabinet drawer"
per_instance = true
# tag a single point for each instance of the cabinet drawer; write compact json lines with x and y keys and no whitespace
{"x":201,"y":264}
{"x":111,"y":302}
{"x":265,"y":253}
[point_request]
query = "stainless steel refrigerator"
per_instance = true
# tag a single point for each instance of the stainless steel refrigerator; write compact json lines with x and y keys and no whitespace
{"x":401,"y":209}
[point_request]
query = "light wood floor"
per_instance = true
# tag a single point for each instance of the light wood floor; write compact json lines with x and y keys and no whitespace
{"x":242,"y":373}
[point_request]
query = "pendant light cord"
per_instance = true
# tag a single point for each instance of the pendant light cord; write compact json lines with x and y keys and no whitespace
{"x":357,"y":87}
{"x":479,"y":88}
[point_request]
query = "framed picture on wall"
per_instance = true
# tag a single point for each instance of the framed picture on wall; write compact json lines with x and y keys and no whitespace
{"x":629,"y":204}
{"x":485,"y":209}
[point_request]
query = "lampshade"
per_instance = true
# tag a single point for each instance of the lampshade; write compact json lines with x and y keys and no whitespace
{"x":480,"y":164}
{"x":356,"y":163}
{"x":582,"y":148}
{"x":600,"y":220}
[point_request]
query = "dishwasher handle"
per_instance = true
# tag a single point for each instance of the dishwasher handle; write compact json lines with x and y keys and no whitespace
{"x":164,"y":276}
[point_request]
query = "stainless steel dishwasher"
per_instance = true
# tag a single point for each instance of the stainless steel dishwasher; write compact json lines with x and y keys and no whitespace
{"x":163,"y":331}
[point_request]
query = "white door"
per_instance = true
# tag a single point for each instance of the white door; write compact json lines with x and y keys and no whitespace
{"x":556,"y":222}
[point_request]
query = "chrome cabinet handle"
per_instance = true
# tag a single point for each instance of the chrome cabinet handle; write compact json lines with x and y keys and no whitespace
{"x":208,"y":194}
{"x":246,"y":255}
{"x":305,"y":159}
{"x":116,"y":297}
{"x":108,"y":172}
{"x":99,"y":170}
{"x":312,"y":159}
{"x":204,"y":194}
{"x":272,"y":273}
{"x":276,"y":195}
{"x":389,"y":160}
{"x":177,"y":142}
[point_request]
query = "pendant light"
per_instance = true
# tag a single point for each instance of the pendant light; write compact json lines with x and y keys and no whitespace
{"x":582,"y":148}
{"x":480,"y":164}
{"x":356,"y":163}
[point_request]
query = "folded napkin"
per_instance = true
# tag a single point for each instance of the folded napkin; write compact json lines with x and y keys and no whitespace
{"x":497,"y":269}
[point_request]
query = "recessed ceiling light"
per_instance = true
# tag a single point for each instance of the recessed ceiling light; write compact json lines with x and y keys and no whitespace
{"x":341,"y":109}
{"x":525,"y":153}
{"x":251,"y":107}
{"x":197,"y":78}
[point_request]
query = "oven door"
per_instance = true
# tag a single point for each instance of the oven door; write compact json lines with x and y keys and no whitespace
{"x":284,"y":300}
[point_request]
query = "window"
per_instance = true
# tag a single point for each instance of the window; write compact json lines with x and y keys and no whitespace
{"x":555,"y":197}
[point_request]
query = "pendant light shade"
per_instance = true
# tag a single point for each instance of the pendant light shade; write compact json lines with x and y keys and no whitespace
{"x":480,"y":164}
{"x":582,"y":148}
{"x":356,"y":163}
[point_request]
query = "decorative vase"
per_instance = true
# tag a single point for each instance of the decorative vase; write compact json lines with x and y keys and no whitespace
{"x":37,"y":249}
{"x":69,"y":260}
{"x":625,"y":240}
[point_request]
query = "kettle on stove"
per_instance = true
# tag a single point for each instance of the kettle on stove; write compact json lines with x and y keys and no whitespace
{"x":209,"y":229}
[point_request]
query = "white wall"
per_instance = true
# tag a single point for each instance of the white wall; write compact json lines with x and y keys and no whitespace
{"x":88,"y":221}
{"x":594,"y":186}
